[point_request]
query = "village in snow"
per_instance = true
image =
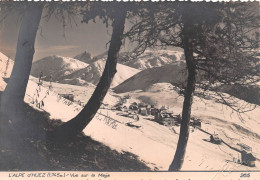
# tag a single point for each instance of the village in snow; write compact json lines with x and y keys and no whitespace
{"x":141,"y":112}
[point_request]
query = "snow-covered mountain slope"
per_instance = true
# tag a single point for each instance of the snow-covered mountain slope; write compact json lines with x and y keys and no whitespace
{"x":158,"y":94}
{"x":156,"y":58}
{"x":123,"y":73}
{"x":174,"y":73}
{"x":149,"y":59}
{"x":56,"y":66}
{"x":75,"y":72}
{"x":216,"y":118}
{"x":155,"y":144}
{"x":80,"y":93}
{"x":248,"y":93}
{"x":6,"y":66}
{"x":94,"y":71}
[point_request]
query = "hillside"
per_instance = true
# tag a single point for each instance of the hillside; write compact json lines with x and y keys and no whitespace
{"x":174,"y":73}
{"x":250,"y":94}
{"x":75,"y":72}
{"x":82,"y":154}
{"x":151,"y":137}
{"x":93,"y":72}
{"x":56,"y":67}
{"x":216,"y":118}
{"x":80,"y":93}
{"x":150,"y":142}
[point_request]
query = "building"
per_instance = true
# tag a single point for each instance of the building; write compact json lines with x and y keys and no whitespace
{"x":68,"y":96}
{"x":134,"y":103}
{"x":154,"y":111}
{"x":125,"y":109}
{"x":158,"y":118}
{"x":215,"y":139}
{"x":245,"y":147}
{"x":141,"y":105}
{"x":133,"y":107}
{"x":163,"y":108}
{"x":248,"y":159}
{"x":143,"y":111}
{"x":195,"y":122}
{"x":104,"y":106}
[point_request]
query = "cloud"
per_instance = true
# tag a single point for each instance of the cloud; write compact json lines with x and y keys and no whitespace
{"x":66,"y":47}
{"x":59,"y":48}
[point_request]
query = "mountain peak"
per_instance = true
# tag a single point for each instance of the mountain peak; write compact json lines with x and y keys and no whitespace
{"x":56,"y":67}
{"x":84,"y":57}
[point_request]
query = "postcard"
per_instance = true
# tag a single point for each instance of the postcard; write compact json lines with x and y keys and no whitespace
{"x":129,"y":90}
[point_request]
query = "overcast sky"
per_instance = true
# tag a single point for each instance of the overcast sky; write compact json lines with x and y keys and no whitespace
{"x":91,"y":37}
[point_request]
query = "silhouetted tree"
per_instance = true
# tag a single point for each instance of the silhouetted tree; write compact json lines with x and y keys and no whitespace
{"x":15,"y":127}
{"x":220,"y":42}
{"x":16,"y":86}
{"x":117,"y":13}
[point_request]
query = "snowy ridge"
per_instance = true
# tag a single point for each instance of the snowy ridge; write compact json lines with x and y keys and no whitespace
{"x":174,"y":73}
{"x":71,"y":71}
{"x":56,"y":66}
{"x":93,"y":72}
{"x":155,"y":58}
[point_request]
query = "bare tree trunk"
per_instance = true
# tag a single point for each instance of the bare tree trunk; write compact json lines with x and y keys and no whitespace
{"x":15,"y":126}
{"x":69,"y":129}
{"x":15,"y":90}
{"x":186,"y":110}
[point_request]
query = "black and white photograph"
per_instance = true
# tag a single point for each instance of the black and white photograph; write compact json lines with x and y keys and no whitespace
{"x":137,"y":86}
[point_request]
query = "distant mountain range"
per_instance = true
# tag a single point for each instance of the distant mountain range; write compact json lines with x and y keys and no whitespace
{"x":78,"y":72}
{"x":152,"y":67}
{"x":84,"y":69}
{"x":93,"y":72}
{"x":149,"y":59}
{"x":156,"y":58}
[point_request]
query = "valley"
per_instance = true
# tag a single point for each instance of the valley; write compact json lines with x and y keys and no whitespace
{"x":154,"y":79}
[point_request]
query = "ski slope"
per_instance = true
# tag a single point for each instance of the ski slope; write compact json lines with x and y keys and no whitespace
{"x":155,"y":144}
